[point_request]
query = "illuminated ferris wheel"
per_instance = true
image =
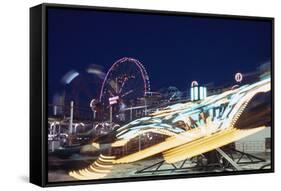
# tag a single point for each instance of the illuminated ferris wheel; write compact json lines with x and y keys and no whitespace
{"x":125,"y":82}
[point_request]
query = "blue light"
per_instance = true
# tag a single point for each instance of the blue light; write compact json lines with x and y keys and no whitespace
{"x":191,"y":94}
{"x":196,"y":93}
{"x":201,"y":93}
{"x":205,"y":92}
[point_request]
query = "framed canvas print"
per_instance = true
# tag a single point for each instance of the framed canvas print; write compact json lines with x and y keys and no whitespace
{"x":128,"y":95}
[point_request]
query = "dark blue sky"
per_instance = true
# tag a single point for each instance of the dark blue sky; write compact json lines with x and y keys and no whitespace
{"x":174,"y":49}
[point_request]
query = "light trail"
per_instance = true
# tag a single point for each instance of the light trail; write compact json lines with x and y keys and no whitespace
{"x":96,"y":170}
{"x":211,"y":132}
{"x":207,"y":143}
{"x":124,"y":141}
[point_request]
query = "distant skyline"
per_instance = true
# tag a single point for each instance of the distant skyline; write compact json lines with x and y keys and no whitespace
{"x":175,"y":50}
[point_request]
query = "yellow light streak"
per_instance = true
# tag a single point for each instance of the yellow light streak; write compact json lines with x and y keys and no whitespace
{"x":122,"y":142}
{"x":95,"y":170}
{"x":169,"y":143}
{"x":207,"y":144}
{"x":102,"y":165}
{"x":107,"y":157}
{"x":97,"y":145}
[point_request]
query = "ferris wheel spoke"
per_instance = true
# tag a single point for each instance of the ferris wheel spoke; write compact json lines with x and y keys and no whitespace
{"x":121,"y":88}
{"x":112,"y":86}
{"x":126,"y":93}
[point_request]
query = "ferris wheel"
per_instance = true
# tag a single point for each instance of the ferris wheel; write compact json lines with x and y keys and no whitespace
{"x":125,"y":82}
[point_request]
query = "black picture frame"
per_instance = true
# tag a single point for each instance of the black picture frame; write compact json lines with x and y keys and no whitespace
{"x":38,"y":94}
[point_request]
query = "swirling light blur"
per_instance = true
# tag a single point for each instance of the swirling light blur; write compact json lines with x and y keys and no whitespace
{"x":69,"y":76}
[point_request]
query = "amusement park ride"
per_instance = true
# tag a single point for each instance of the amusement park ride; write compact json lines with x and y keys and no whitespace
{"x":122,"y":90}
{"x":177,"y":132}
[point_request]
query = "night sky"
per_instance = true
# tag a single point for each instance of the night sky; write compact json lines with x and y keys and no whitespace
{"x":174,"y":49}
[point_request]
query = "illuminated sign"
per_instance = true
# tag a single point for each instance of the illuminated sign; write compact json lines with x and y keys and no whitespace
{"x":113,"y":100}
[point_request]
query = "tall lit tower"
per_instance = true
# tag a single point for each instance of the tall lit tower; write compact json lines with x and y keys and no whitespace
{"x":197,"y":92}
